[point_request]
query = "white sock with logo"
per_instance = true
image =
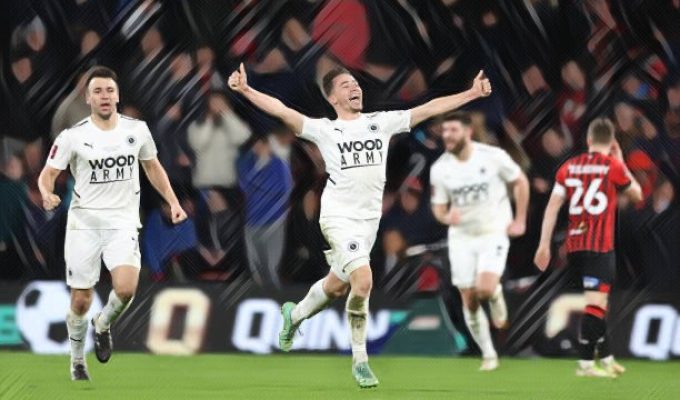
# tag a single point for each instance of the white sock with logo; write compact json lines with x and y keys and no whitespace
{"x":111,"y":311}
{"x":315,"y":301}
{"x":478,"y":324}
{"x":76,"y":325}
{"x":357,"y":314}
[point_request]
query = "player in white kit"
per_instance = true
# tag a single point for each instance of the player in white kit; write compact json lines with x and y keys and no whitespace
{"x":470,"y":195}
{"x":103,"y":152}
{"x":354,"y":148}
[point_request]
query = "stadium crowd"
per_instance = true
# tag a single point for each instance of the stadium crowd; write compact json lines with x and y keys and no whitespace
{"x":252,"y":191}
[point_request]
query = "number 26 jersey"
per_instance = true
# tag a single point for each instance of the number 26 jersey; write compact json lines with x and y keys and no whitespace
{"x":590,"y":182}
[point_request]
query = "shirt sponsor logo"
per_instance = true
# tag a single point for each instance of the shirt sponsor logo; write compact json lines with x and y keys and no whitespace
{"x":468,"y":195}
{"x":357,"y":153}
{"x":112,"y":169}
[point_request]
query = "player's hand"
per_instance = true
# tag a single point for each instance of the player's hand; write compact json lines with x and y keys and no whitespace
{"x":177,"y":214}
{"x":51,"y":201}
{"x":615,"y":150}
{"x":453,"y":217}
{"x":542,"y":257}
{"x":238,"y":81}
{"x":481,"y":85}
{"x":517,"y":228}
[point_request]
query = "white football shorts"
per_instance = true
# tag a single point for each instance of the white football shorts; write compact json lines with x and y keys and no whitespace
{"x":351,"y":241}
{"x":471,"y":255}
{"x":84,"y":250}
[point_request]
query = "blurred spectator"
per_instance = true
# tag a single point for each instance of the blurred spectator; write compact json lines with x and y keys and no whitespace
{"x":13,"y":196}
{"x":409,"y":222}
{"x":208,"y":76}
{"x":72,"y":109}
{"x":573,"y":99}
{"x":218,"y":255}
{"x":162,"y":240}
{"x":267,"y":183}
{"x":215,"y":139}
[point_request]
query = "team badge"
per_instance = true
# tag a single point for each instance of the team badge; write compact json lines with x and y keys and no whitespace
{"x":131,"y":140}
{"x":373,"y":128}
{"x":353,"y":246}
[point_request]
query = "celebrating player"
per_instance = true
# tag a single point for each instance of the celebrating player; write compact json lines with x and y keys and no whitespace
{"x":590,"y":182}
{"x":470,"y":195}
{"x":103,"y":152}
{"x":354,"y":148}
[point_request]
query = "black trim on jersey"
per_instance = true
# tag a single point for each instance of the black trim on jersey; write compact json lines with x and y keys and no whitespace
{"x":360,"y":166}
{"x":331,"y":179}
{"x":80,"y":123}
{"x":118,"y":180}
{"x":76,"y":193}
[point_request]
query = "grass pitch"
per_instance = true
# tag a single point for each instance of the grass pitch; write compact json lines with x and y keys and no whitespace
{"x":144,"y":376}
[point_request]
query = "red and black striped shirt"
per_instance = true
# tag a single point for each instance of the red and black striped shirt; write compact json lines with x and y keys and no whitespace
{"x":590,"y":182}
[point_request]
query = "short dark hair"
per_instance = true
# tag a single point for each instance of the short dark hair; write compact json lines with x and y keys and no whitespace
{"x":100,"y":71}
{"x":601,"y":131}
{"x":327,"y":81}
{"x":461,"y":116}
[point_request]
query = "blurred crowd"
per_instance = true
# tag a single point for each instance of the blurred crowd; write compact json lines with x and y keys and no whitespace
{"x":252,"y":191}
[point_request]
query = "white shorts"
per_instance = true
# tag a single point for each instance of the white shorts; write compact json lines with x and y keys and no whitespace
{"x":471,"y":255}
{"x":351,"y":241}
{"x":84,"y":250}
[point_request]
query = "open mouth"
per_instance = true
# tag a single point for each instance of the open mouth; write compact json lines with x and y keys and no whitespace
{"x":354,"y":98}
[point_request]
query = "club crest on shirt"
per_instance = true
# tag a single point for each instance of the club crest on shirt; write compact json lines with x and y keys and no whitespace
{"x":131,"y":140}
{"x":373,"y":128}
{"x":353,"y":246}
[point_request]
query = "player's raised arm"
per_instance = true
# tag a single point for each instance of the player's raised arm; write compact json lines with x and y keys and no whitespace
{"x":238,"y":82}
{"x":46,"y":180}
{"x":481,"y":87}
{"x":542,"y":257}
{"x":159,"y":180}
{"x":633,"y":189}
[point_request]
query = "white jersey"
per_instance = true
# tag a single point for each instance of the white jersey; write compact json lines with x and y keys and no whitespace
{"x":355,"y":153}
{"x":105,"y":166}
{"x":477,"y":187}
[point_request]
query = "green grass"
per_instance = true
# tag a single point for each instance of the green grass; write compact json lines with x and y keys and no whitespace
{"x":144,"y":376}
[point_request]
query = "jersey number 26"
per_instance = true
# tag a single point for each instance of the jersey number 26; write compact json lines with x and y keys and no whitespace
{"x":594,"y":202}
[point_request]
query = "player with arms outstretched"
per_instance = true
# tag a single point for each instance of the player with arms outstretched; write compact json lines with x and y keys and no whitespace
{"x":103,"y":152}
{"x":354,"y":148}
{"x":470,"y":195}
{"x":590,"y":183}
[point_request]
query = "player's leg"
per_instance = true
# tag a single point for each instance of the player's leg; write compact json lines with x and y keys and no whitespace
{"x":492,"y":262}
{"x":82,"y":253}
{"x":593,"y":326}
{"x":76,"y":324}
{"x":463,"y":256}
{"x":478,"y":325}
{"x":361,"y":283}
{"x":319,"y":296}
{"x":122,"y":257}
{"x":606,"y":271}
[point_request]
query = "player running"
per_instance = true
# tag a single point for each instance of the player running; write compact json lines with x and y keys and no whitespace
{"x":103,"y":152}
{"x":590,"y":181}
{"x":354,"y":148}
{"x":470,"y":195}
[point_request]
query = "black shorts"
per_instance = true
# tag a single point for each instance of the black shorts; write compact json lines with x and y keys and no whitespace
{"x":598,"y":270}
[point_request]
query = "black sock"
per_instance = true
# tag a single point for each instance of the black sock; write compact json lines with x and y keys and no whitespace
{"x":593,"y":328}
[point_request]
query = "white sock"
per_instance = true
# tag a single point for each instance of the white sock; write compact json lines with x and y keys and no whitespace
{"x":496,"y":293}
{"x":77,"y":330}
{"x":315,"y":301}
{"x":607,"y":360}
{"x":111,"y":311}
{"x":478,"y":324}
{"x":585,"y":364}
{"x":357,"y":314}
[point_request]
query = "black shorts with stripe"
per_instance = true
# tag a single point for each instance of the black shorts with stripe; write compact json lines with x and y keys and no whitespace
{"x":597,"y":270}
